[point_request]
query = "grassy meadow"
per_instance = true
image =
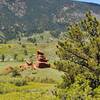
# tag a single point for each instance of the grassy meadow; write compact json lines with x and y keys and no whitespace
{"x":28,"y":84}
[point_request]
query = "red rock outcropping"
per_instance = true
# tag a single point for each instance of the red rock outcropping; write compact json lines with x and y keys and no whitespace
{"x":41,"y":60}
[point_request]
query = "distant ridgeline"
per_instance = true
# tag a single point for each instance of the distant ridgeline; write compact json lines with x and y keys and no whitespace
{"x":36,"y":16}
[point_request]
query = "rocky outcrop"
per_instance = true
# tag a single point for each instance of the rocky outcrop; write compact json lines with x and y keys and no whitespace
{"x":41,"y":61}
{"x":26,"y":65}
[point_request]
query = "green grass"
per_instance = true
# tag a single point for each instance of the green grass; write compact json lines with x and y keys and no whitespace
{"x":36,"y":89}
{"x":39,"y":83}
{"x":13,"y":64}
{"x":9,"y":50}
{"x":44,"y":75}
{"x":40,"y":87}
{"x":32,"y":91}
{"x":47,"y":44}
{"x":40,"y":74}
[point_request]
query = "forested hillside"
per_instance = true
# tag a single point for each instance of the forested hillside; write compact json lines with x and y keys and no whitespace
{"x":36,"y":16}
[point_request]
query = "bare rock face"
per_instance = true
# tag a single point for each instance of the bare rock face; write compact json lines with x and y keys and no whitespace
{"x":41,"y":61}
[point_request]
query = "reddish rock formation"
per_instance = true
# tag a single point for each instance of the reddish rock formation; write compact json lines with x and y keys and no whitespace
{"x":28,"y":64}
{"x":41,"y":61}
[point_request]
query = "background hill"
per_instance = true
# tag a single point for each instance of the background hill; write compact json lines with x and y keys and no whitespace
{"x":25,"y":17}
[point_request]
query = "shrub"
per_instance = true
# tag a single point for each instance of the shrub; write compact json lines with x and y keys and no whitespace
{"x":47,"y":80}
{"x":15,"y":56}
{"x":25,"y":52}
{"x":9,"y":46}
{"x":15,"y":73}
{"x":23,"y":46}
{"x":19,"y":82}
{"x":3,"y":57}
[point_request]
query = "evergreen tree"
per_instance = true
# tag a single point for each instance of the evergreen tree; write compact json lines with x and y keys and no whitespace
{"x":79,"y":54}
{"x":15,"y":56}
{"x":3,"y":57}
{"x":25,"y":52}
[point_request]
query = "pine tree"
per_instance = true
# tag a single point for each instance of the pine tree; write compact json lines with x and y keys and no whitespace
{"x":79,"y":54}
{"x":15,"y":56}
{"x":2,"y":57}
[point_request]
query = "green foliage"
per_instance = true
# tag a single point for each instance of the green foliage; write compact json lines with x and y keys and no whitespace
{"x":25,"y":52}
{"x":15,"y":56}
{"x":79,"y":54}
{"x":41,"y":36}
{"x":27,"y":88}
{"x":23,"y":46}
{"x":10,"y":53}
{"x":15,"y":72}
{"x":33,"y":40}
{"x":3,"y":57}
{"x":30,"y":91}
{"x":55,"y":33}
{"x":19,"y":82}
{"x":16,"y":52}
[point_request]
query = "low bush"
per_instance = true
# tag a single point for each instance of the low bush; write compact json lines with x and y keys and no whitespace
{"x":15,"y":73}
{"x":47,"y":80}
{"x":19,"y":82}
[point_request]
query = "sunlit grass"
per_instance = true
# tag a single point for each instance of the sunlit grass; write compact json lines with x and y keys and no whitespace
{"x":32,"y":91}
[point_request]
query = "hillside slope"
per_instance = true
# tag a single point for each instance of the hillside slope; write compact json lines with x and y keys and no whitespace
{"x":29,"y":16}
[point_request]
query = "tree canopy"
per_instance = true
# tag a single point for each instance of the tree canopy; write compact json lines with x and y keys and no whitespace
{"x":79,"y":54}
